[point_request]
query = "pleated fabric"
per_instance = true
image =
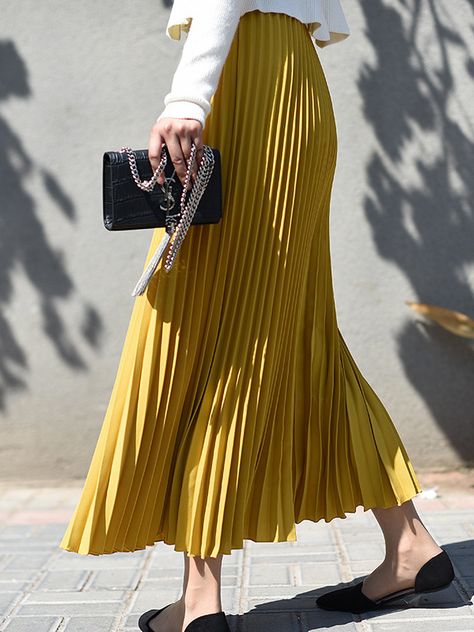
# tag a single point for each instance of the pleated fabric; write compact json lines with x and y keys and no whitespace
{"x":237,"y":409}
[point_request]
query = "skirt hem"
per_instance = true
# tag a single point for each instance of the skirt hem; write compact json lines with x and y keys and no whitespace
{"x":179,"y":548}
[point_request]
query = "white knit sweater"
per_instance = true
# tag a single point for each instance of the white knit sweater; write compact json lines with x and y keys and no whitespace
{"x":210,"y":26}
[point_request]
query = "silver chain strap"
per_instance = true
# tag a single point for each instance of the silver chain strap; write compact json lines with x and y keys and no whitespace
{"x":145,"y":185}
{"x":188,"y":208}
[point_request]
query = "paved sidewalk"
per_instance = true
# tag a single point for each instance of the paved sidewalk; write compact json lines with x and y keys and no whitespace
{"x":266,"y":586}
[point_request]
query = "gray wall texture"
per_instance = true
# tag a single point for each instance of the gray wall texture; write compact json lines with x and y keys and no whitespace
{"x":77,"y":79}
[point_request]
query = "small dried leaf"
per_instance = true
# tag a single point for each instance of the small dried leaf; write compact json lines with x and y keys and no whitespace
{"x":455,"y":322}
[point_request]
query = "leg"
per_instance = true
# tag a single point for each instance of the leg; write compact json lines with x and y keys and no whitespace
{"x":201,"y":595}
{"x":408,"y":545}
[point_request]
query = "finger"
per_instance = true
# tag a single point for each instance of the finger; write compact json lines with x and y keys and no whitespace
{"x":185,"y":141}
{"x":176,"y":153}
{"x":154,"y":150}
{"x":197,"y":140}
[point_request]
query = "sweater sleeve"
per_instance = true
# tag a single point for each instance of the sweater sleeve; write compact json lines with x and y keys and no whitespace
{"x":205,"y":50}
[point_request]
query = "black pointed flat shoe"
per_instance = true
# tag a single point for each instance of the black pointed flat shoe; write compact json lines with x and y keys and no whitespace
{"x":436,"y":574}
{"x":214,"y":622}
{"x":146,"y":617}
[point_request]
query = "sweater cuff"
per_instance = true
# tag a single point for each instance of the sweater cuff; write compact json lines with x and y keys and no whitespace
{"x":184,"y":109}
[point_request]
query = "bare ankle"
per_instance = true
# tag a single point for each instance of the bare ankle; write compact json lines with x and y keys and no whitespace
{"x":409,"y":548}
{"x":197,"y":599}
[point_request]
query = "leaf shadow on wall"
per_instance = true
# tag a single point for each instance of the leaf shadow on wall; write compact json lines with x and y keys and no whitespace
{"x":420,"y":197}
{"x":24,"y":245}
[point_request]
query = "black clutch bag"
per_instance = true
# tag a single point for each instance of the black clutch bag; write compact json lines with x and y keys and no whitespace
{"x":131,"y":203}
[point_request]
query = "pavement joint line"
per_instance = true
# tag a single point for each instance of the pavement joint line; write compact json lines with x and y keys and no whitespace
{"x":465,"y":617}
{"x":144,"y":569}
{"x":362,"y":626}
{"x":62,"y":625}
{"x":295,"y":570}
{"x":299,"y":619}
{"x":347,"y":575}
{"x":16,"y":603}
{"x":132,"y":595}
{"x":470,"y":528}
{"x":244,"y":583}
{"x":238,"y":583}
{"x":460,"y":585}
{"x":41,"y":573}
{"x":37,"y":579}
{"x":120,"y":618}
{"x":6,"y":561}
{"x":87,"y":581}
{"x":341,"y":553}
{"x":55,"y":627}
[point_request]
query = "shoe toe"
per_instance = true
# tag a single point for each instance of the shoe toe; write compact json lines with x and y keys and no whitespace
{"x":146,"y":617}
{"x":213,"y":622}
{"x":334,"y":599}
{"x":349,"y":599}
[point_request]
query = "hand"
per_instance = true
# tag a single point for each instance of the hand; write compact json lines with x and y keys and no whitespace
{"x":178,"y":134}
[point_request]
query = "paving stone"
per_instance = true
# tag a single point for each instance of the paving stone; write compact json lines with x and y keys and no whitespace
{"x":14,"y":586}
{"x":271,"y":575}
{"x":468,"y":580}
{"x":318,"y":619}
{"x":284,"y":622}
{"x":84,"y":596}
{"x":230,"y":569}
{"x":131,"y":622}
{"x":62,"y":580}
{"x":148,"y":599}
{"x":273,"y":548}
{"x":320,"y":574}
{"x":116,"y":579}
{"x":8,"y":600}
{"x":33,"y":561}
{"x":50,"y":530}
{"x":429,"y":625}
{"x":164,"y":574}
{"x":90,"y":624}
{"x":230,"y":580}
{"x":33,"y":623}
{"x":159,"y":584}
{"x":283,"y":597}
{"x":230,"y":599}
{"x":463,"y":563}
{"x":322,"y":554}
{"x":15,"y":576}
{"x":14,"y":547}
{"x":359,"y":552}
{"x":419,"y":613}
{"x":17,"y":532}
{"x":314,"y":539}
{"x":301,"y":598}
{"x":69,"y":609}
{"x":75,"y":561}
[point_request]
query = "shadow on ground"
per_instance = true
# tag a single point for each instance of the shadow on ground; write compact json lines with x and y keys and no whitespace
{"x":302,"y":610}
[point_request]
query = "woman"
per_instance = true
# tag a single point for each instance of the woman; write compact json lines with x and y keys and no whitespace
{"x":238,"y":410}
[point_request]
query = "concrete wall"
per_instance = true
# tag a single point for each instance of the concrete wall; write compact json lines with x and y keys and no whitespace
{"x":77,"y":79}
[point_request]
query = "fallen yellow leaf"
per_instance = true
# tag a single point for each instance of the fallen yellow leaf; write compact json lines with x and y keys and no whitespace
{"x":455,"y":322}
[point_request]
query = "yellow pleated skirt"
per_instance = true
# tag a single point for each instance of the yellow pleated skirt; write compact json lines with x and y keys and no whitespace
{"x":237,"y":409}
